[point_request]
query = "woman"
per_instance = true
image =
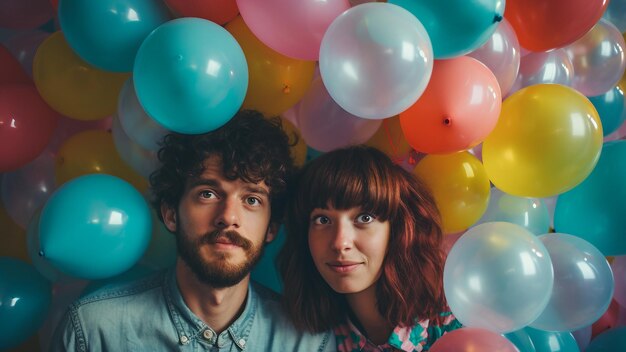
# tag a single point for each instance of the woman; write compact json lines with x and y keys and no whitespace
{"x":363,"y":254}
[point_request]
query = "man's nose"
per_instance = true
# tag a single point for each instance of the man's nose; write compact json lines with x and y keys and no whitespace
{"x":228,"y":214}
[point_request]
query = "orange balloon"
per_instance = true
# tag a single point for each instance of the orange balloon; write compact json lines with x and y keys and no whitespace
{"x":277,"y":82}
{"x":543,"y":25}
{"x":93,"y":152}
{"x":71,"y":86}
{"x":297,"y":144}
{"x":12,"y":238}
{"x":390,"y":139}
{"x":458,"y":109}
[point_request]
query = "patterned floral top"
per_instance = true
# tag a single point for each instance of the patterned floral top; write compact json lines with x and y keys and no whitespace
{"x":418,"y":337}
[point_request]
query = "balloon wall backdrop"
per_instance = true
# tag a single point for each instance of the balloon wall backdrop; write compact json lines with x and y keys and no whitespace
{"x":511,"y":112}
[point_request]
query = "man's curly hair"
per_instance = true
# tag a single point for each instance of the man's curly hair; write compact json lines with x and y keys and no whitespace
{"x":251,"y":147}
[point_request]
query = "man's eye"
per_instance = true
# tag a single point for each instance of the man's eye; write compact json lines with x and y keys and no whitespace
{"x":253,"y":201}
{"x":365,"y":218}
{"x":321,"y":220}
{"x":207,"y":194}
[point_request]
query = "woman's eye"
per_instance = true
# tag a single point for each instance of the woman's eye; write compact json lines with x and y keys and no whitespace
{"x":365,"y":218}
{"x":253,"y":201}
{"x":321,"y":220}
{"x":207,"y":194}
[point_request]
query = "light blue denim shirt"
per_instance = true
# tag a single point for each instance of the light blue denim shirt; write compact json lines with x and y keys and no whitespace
{"x":150,"y":315}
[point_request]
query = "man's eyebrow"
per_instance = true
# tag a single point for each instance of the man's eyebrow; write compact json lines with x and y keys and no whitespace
{"x":257,"y":189}
{"x":195,"y":182}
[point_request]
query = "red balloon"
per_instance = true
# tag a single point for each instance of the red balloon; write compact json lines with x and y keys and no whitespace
{"x":26,"y":125}
{"x":458,"y":109}
{"x":218,"y":11}
{"x":607,"y":321}
{"x":11,"y":72}
{"x":543,"y":25}
{"x":473,"y":339}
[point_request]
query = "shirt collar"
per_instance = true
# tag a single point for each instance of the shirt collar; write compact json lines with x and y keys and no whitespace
{"x":189,"y":326}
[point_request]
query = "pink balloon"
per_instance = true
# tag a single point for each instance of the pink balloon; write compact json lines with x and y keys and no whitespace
{"x":544,"y":67}
{"x":619,"y":274}
{"x":501,"y":54}
{"x":471,"y":340}
{"x":326,"y":126}
{"x":292,"y":28}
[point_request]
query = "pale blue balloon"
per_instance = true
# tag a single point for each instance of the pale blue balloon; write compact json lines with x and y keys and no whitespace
{"x":583,"y":284}
{"x":498,"y":276}
{"x":95,"y":226}
{"x":546,"y":341}
{"x":107,"y":33}
{"x":190,"y":75}
{"x":456,"y":27}
{"x":530,"y":213}
{"x":610,"y":106}
{"x":594,"y":210}
{"x":25,"y":298}
{"x":142,"y":160}
{"x":610,"y":340}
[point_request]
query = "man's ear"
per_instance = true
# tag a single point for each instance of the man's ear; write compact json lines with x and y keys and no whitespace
{"x":272,"y":231}
{"x":169,"y":217}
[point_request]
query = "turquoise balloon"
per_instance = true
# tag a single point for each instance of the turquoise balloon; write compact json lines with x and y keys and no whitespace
{"x":265,"y":271}
{"x":95,"y":226}
{"x":595,"y":209}
{"x":610,"y":106}
{"x":456,"y":27}
{"x":530,"y":213}
{"x":107,"y":33}
{"x":521,"y":340}
{"x":610,"y":340}
{"x":25,"y":298}
{"x":190,"y":75}
{"x":547,"y":341}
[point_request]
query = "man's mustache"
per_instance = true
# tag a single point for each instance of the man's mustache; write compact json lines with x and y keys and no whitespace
{"x":231,"y":236}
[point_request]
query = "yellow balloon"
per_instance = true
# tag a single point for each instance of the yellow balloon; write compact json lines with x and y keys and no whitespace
{"x":622,"y":82}
{"x":93,"y":152}
{"x":276,"y":82}
{"x":390,"y":139}
{"x":547,"y":140}
{"x":460,"y":186}
{"x":296,"y":142}
{"x":70,"y":85}
{"x":12,"y":238}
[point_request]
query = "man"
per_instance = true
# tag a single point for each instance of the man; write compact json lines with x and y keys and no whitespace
{"x":222,"y":195}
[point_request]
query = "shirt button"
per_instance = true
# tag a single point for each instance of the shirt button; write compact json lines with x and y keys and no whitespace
{"x":242,"y":342}
{"x":184,"y":340}
{"x":208,"y":334}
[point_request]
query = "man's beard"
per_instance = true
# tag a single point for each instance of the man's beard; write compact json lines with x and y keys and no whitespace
{"x":218,"y":273}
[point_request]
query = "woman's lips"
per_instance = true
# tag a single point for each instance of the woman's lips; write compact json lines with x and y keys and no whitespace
{"x":343,"y":267}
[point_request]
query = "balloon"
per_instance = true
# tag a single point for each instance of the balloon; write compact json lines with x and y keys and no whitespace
{"x":69,"y":127}
{"x":521,"y":340}
{"x":94,"y":227}
{"x":43,"y":266}
{"x":390,"y":139}
{"x":608,"y":320}
{"x":543,"y":25}
{"x":141,"y":160}
{"x":530,"y":213}
{"x":498,"y":276}
{"x":139,"y":127}
{"x":297,"y":144}
{"x":25,"y":14}
{"x":458,"y":109}
{"x":107,"y":33}
{"x":91,"y":152}
{"x":610,"y":107}
{"x":616,"y":14}
{"x":24,"y":45}
{"x":611,"y":340}
{"x":24,"y":301}
{"x":70,"y":85}
{"x":292,"y":28}
{"x":583,"y":284}
{"x":598,"y":59}
{"x":376,"y":60}
{"x":218,"y":11}
{"x":544,"y":67}
{"x":547,"y":140}
{"x":456,"y":27}
{"x":583,"y":337}
{"x":472,"y":339}
{"x":12,"y":238}
{"x":501,"y":54}
{"x":326,"y":126}
{"x":265,"y":271}
{"x":26,"y":125}
{"x":460,"y":187}
{"x":594,"y":210}
{"x":10,"y":70}
{"x":186,"y":85}
{"x":277,"y":82}
{"x":26,"y":189}
{"x":546,"y":341}
{"x":619,"y":273}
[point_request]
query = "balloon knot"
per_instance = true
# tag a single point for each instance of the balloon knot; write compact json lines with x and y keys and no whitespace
{"x":287,"y":89}
{"x":497,"y":18}
{"x":447,"y":121}
{"x":41,"y":254}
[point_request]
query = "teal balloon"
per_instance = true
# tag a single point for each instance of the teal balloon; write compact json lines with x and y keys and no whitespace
{"x":25,"y":298}
{"x":190,"y":75}
{"x":108,"y":33}
{"x":610,"y":107}
{"x":265,"y":271}
{"x":547,"y":341}
{"x":530,"y":213}
{"x":456,"y":27}
{"x":521,"y":340}
{"x":595,"y":209}
{"x":95,"y":226}
{"x":610,"y":340}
